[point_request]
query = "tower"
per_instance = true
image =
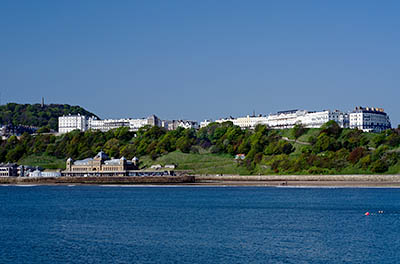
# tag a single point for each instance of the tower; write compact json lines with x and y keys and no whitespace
{"x":42,"y":102}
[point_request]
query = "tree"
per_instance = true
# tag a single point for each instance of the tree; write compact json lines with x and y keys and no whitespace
{"x":112,"y":147}
{"x":15,"y":154}
{"x":331,"y":128}
{"x":183,"y":144}
{"x":43,"y":130}
{"x":379,"y":166}
{"x":356,"y":154}
{"x":298,"y":130}
{"x":128,"y":151}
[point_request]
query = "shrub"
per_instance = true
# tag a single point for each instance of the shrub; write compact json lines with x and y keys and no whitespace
{"x":356,"y":154}
{"x":379,"y":166}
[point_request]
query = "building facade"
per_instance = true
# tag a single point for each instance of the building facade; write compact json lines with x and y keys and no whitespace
{"x":100,"y":165}
{"x":205,"y":123}
{"x":8,"y":170}
{"x":69,"y":123}
{"x":174,"y":124}
{"x":369,"y":119}
{"x":288,"y":119}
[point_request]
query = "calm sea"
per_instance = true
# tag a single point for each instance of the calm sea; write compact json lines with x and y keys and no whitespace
{"x":95,"y":224}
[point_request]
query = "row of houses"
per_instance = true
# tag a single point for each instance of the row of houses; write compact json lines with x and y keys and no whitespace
{"x":69,"y":123}
{"x":9,"y":130}
{"x":368,"y":119}
{"x":15,"y":170}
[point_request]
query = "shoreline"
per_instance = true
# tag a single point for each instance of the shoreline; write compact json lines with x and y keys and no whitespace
{"x":300,"y":184}
{"x":224,"y":184}
{"x":312,"y":181}
{"x":279,"y":184}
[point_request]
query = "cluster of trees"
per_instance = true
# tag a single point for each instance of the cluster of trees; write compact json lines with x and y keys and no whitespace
{"x":329,"y":149}
{"x":36,"y":115}
{"x":336,"y":150}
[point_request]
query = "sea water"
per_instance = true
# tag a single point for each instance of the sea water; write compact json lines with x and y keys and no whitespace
{"x":100,"y":224}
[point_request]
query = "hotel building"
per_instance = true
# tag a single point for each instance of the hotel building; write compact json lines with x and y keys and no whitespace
{"x":369,"y":119}
{"x":83,"y":123}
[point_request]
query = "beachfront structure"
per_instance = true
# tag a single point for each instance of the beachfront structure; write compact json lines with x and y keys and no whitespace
{"x":100,"y":165}
{"x":83,"y":123}
{"x":8,"y":170}
{"x":369,"y":119}
{"x":15,"y":170}
{"x":44,"y":174}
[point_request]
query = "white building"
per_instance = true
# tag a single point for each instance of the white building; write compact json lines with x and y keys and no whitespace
{"x":309,"y":119}
{"x":288,"y":119}
{"x":205,"y":123}
{"x":317,"y":119}
{"x":38,"y":173}
{"x":135,"y":124}
{"x":250,"y":121}
{"x":174,"y":124}
{"x":107,"y":124}
{"x":284,"y":119}
{"x":68,"y":123}
{"x":246,"y":122}
{"x":369,"y":119}
{"x":72,"y":122}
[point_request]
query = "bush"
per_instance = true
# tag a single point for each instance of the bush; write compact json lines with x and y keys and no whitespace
{"x":331,"y":128}
{"x":298,"y":131}
{"x":379,"y":166}
{"x":356,"y":154}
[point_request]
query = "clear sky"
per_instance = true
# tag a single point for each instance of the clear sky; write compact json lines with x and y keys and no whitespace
{"x":201,"y":59}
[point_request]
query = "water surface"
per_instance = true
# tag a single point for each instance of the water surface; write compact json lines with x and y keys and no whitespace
{"x":97,"y":224}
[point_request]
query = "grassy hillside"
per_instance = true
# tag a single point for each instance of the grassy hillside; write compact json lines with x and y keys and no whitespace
{"x":196,"y":163}
{"x":36,"y":115}
{"x":328,"y":150}
{"x":44,"y":161}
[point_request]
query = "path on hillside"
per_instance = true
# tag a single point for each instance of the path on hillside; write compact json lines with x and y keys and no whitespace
{"x":296,"y":141}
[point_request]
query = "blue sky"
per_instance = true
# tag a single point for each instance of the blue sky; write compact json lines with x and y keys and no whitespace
{"x":201,"y":59}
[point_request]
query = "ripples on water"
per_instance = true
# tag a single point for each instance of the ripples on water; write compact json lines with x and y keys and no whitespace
{"x":96,"y":224}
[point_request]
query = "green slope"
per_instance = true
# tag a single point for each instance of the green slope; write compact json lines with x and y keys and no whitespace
{"x":36,"y":115}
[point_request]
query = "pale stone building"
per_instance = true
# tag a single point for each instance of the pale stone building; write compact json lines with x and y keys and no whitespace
{"x":101,"y":164}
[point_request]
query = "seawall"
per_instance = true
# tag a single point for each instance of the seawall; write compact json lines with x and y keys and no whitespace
{"x":99,"y":180}
{"x":303,"y":178}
